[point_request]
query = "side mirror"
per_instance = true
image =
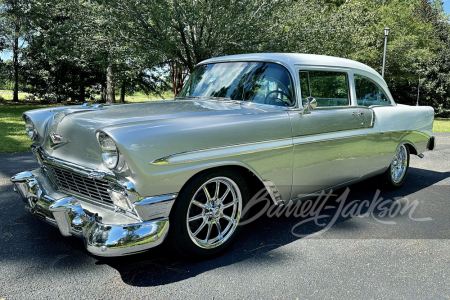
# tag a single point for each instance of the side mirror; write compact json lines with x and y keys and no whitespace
{"x":310,"y":104}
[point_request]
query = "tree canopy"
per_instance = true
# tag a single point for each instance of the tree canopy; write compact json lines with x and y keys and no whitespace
{"x":76,"y":49}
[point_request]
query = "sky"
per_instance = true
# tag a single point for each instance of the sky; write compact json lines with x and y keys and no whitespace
{"x":447,"y":6}
{"x":8,"y":55}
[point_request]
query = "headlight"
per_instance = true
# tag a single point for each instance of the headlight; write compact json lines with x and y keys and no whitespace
{"x":30,"y":128}
{"x":110,"y":154}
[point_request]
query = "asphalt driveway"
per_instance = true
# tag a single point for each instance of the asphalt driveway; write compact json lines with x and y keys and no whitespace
{"x":367,"y":256}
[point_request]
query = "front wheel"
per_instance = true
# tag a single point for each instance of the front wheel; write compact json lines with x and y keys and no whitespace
{"x":396,"y":173}
{"x":205,"y":217}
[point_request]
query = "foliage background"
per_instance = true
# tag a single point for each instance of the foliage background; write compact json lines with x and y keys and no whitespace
{"x":76,"y":50}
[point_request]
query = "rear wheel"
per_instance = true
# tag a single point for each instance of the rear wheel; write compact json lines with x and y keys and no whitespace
{"x":204,"y":220}
{"x":396,"y":173}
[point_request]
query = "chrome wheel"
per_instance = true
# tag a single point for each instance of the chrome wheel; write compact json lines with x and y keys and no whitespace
{"x":214,"y":212}
{"x":399,"y":164}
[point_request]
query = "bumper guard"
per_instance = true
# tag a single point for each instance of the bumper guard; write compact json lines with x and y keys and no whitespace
{"x":104,"y":233}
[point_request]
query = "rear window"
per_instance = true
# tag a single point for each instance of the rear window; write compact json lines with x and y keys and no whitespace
{"x":369,"y":93}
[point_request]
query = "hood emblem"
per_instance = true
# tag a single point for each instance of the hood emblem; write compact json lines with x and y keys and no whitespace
{"x":57,"y":140}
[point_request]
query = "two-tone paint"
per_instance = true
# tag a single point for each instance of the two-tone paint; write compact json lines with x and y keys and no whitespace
{"x":166,"y":143}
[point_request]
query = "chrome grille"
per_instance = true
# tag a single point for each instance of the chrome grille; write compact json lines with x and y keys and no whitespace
{"x":80,"y":184}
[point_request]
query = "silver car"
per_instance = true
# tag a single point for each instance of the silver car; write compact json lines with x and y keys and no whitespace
{"x":125,"y":178}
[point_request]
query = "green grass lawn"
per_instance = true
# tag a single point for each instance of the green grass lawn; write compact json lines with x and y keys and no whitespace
{"x":8,"y":95}
{"x":136,"y":97}
{"x":14,"y":139}
{"x":441,"y":125}
{"x":12,"y":128}
{"x":141,"y":97}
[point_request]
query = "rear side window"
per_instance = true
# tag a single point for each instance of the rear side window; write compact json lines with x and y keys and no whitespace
{"x":329,"y":88}
{"x":369,"y":93}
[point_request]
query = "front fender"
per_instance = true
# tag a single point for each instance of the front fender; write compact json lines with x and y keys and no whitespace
{"x":261,"y":143}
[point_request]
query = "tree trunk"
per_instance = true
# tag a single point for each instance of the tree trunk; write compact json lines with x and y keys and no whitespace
{"x":178,"y":76}
{"x":82,"y":96}
{"x":72,"y":91}
{"x":103,"y":93}
{"x":16,"y":68}
{"x":122,"y":92}
{"x":110,"y":91}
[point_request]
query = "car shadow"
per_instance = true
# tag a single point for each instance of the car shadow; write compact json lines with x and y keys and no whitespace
{"x":162,"y":265}
{"x":30,"y":240}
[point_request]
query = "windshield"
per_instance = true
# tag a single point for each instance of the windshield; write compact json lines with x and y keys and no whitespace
{"x":258,"y":82}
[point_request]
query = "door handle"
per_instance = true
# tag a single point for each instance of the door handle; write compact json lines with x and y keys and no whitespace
{"x":357,"y":113}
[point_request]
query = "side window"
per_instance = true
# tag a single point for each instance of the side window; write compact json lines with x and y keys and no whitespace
{"x":329,"y":88}
{"x":369,"y":93}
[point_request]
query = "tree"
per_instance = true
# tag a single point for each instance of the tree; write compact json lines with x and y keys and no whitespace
{"x":354,"y":29}
{"x":57,"y":66}
{"x":13,"y":33}
{"x":189,"y":31}
{"x":76,"y":48}
{"x":178,"y":75}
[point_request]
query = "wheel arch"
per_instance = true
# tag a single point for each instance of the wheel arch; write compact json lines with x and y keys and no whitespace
{"x":412,"y":149}
{"x":254,"y":181}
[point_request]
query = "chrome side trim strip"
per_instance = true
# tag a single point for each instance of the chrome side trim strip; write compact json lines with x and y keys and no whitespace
{"x":220,"y":152}
{"x":233,"y":150}
{"x":317,"y":138}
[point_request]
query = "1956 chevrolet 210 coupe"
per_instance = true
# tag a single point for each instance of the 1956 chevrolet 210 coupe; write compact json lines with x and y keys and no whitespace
{"x":124,"y":178}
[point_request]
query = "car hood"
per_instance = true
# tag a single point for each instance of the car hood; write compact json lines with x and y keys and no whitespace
{"x":75,"y":127}
{"x":158,"y":110}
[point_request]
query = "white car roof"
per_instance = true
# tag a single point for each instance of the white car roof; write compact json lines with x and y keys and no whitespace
{"x":292,"y":59}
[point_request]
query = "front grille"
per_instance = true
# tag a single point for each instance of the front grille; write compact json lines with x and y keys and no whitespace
{"x":80,"y":184}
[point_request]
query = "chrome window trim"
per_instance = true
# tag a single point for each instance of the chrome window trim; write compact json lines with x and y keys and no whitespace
{"x":379,"y":83}
{"x":350,"y":85}
{"x":244,"y":103}
{"x":337,"y":107}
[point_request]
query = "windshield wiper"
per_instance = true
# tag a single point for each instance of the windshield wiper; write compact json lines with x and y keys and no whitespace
{"x":188,"y":97}
{"x":218,"y":98}
{"x":202,"y":97}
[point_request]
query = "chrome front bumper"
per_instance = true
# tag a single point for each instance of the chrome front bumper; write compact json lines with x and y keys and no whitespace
{"x":105,"y":233}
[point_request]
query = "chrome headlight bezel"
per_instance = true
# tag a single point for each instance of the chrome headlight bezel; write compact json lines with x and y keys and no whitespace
{"x":30,"y":128}
{"x":110,"y":153}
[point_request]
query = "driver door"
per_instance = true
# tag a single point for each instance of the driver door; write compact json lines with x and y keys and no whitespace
{"x":330,"y":141}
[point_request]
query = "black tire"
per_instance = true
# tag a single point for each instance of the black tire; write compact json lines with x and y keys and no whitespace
{"x":182,"y":238}
{"x":389,"y":179}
